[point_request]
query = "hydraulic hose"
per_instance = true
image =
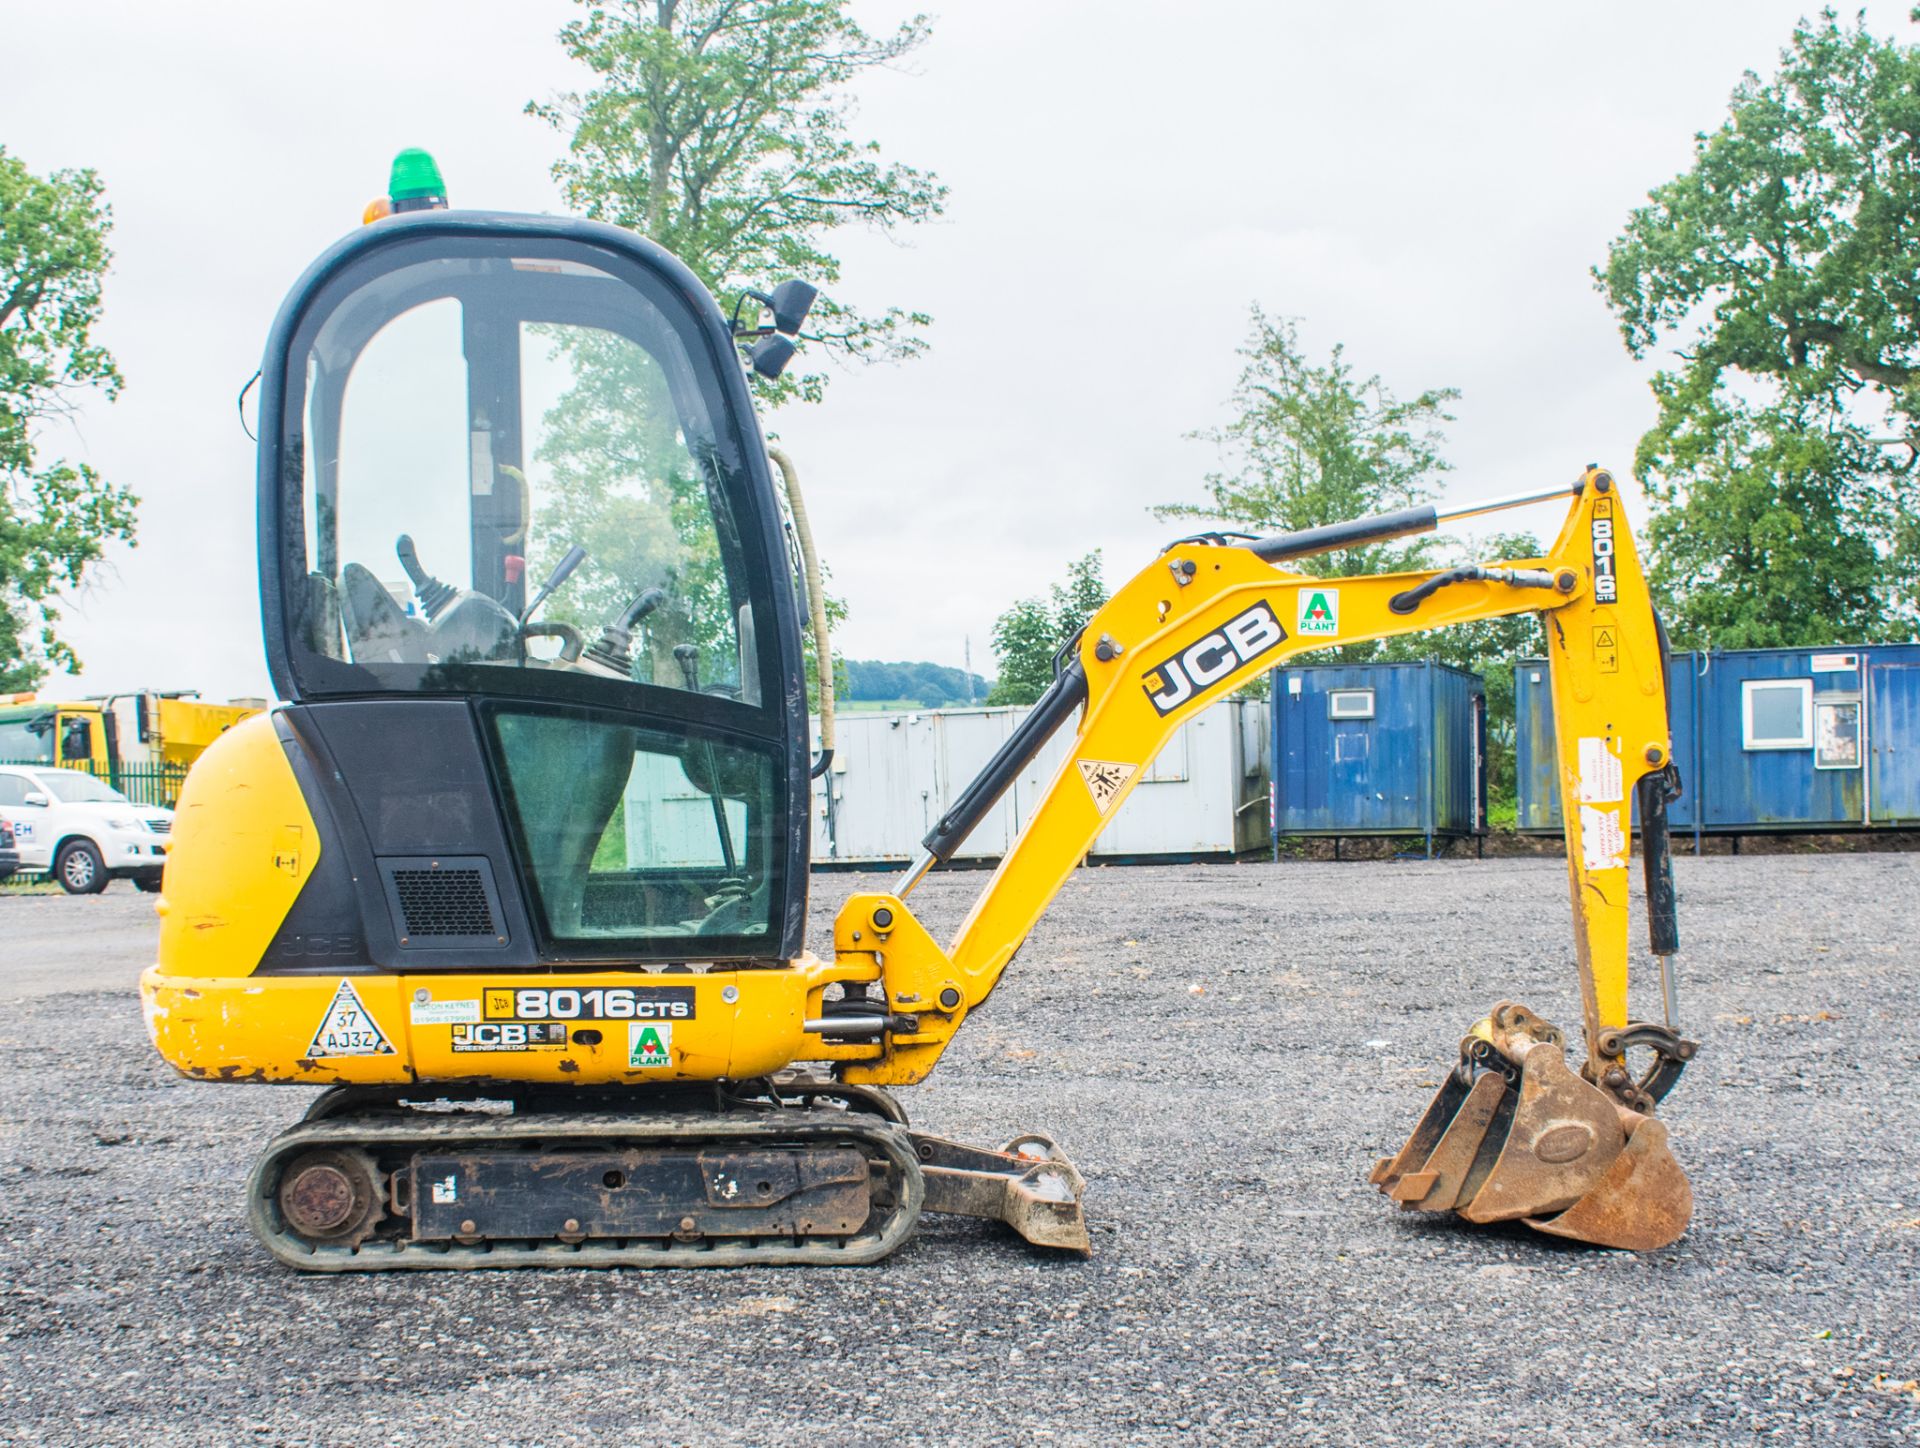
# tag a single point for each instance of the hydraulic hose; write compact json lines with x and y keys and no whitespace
{"x":816,"y":602}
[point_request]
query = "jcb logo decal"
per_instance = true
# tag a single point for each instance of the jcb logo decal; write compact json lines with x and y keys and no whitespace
{"x":1240,"y":640}
{"x":1606,"y":588}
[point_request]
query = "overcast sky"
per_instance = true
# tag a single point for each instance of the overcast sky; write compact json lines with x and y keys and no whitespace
{"x":1428,"y":184}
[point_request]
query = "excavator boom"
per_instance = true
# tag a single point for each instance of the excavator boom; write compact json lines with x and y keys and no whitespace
{"x":1514,"y":1133}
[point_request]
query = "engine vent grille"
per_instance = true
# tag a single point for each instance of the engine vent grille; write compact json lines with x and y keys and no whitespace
{"x":443,"y":902}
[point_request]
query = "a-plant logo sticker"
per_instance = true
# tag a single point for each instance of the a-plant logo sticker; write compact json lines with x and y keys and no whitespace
{"x":1319,"y":611}
{"x":650,"y":1043}
{"x":1240,"y":640}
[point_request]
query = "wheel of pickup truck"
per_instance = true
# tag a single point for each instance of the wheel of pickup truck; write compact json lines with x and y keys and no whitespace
{"x":80,"y":869}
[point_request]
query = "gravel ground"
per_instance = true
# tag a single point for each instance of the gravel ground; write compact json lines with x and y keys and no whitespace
{"x":1222,"y":1049}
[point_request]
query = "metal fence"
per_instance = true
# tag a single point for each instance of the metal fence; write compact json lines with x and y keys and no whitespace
{"x":154,"y":784}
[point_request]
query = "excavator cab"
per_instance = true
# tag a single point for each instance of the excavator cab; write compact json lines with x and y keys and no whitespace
{"x":519,"y":542}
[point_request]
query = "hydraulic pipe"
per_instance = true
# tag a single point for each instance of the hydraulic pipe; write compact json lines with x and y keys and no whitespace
{"x":1506,"y":501}
{"x":1354,"y":533}
{"x":1064,"y":695}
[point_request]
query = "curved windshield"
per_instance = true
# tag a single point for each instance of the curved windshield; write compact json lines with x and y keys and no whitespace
{"x":70,"y":787}
{"x":513,"y":462}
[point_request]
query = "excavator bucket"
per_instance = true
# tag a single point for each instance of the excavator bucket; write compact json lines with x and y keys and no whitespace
{"x":1515,"y":1135}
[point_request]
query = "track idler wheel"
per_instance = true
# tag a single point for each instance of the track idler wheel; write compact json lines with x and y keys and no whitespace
{"x":331,"y":1196}
{"x":1515,"y":1135}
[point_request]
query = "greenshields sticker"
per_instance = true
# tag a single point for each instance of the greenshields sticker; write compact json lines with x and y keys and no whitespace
{"x":649,"y":1043}
{"x":1319,"y":611}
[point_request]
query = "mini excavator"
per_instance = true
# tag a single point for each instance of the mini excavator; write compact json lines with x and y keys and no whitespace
{"x":519,"y":869}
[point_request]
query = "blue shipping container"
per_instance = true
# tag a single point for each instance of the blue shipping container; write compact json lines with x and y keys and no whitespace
{"x":1766,"y":740}
{"x":1378,"y":749}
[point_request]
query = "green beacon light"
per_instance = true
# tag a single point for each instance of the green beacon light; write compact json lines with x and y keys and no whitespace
{"x":415,"y":184}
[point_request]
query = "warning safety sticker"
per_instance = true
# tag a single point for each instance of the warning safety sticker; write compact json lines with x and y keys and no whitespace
{"x":348,"y":1028}
{"x":1603,"y":844}
{"x":650,"y":1043}
{"x":1600,"y":773}
{"x":1105,"y":780}
{"x":1606,"y":648}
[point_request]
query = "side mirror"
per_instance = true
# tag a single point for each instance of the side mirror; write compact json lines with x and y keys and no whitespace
{"x":770,"y":355}
{"x":791,"y":301}
{"x":36,"y":799}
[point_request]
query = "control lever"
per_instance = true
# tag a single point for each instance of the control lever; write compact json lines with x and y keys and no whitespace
{"x":614,"y":648}
{"x":434,"y":595}
{"x":688,"y":657}
{"x":562,"y":571}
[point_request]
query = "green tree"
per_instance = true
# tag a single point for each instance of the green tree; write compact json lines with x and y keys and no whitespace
{"x":1028,"y":635}
{"x":1314,"y":443}
{"x":722,"y":129}
{"x":56,"y":517}
{"x":1778,"y":273}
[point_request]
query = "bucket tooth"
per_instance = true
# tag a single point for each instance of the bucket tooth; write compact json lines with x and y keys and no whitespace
{"x":1643,"y":1202}
{"x":1433,"y":1166}
{"x":1564,"y":1136}
{"x":1426,"y":1134}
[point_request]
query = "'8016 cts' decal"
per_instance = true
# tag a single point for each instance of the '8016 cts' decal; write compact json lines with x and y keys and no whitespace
{"x":1240,"y":640}
{"x":1606,"y":587}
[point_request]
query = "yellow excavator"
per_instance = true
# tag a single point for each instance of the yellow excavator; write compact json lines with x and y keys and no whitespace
{"x":520,"y":868}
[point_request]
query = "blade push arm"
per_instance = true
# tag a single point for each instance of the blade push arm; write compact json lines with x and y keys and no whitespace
{"x":1208,"y":617}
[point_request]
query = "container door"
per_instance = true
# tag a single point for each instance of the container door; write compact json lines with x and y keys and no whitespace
{"x":1535,"y":767}
{"x":1893,"y":742}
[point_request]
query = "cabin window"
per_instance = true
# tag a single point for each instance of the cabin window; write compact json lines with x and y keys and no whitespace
{"x":1350,"y":704}
{"x":1777,"y":713}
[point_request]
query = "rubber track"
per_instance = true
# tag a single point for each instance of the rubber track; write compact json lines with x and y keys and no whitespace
{"x":386,"y":1136}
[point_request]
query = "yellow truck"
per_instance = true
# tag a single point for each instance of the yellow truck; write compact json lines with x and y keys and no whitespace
{"x":141,"y":742}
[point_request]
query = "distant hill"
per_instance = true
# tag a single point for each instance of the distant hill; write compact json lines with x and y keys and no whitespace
{"x":931,"y":686}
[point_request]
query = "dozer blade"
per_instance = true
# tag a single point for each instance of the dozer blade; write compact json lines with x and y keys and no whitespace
{"x":1515,"y":1135}
{"x":1030,"y":1185}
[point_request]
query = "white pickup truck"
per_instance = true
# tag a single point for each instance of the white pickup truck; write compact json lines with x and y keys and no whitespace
{"x":81,"y":830}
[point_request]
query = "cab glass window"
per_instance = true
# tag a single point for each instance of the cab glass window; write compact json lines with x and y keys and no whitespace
{"x":512,"y":469}
{"x":634,"y":834}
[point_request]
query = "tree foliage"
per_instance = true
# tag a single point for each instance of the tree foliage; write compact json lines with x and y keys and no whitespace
{"x":931,"y":686}
{"x":55,"y":516}
{"x":1779,"y":270}
{"x":723,"y":129}
{"x":1314,"y":443}
{"x":1028,"y":635}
